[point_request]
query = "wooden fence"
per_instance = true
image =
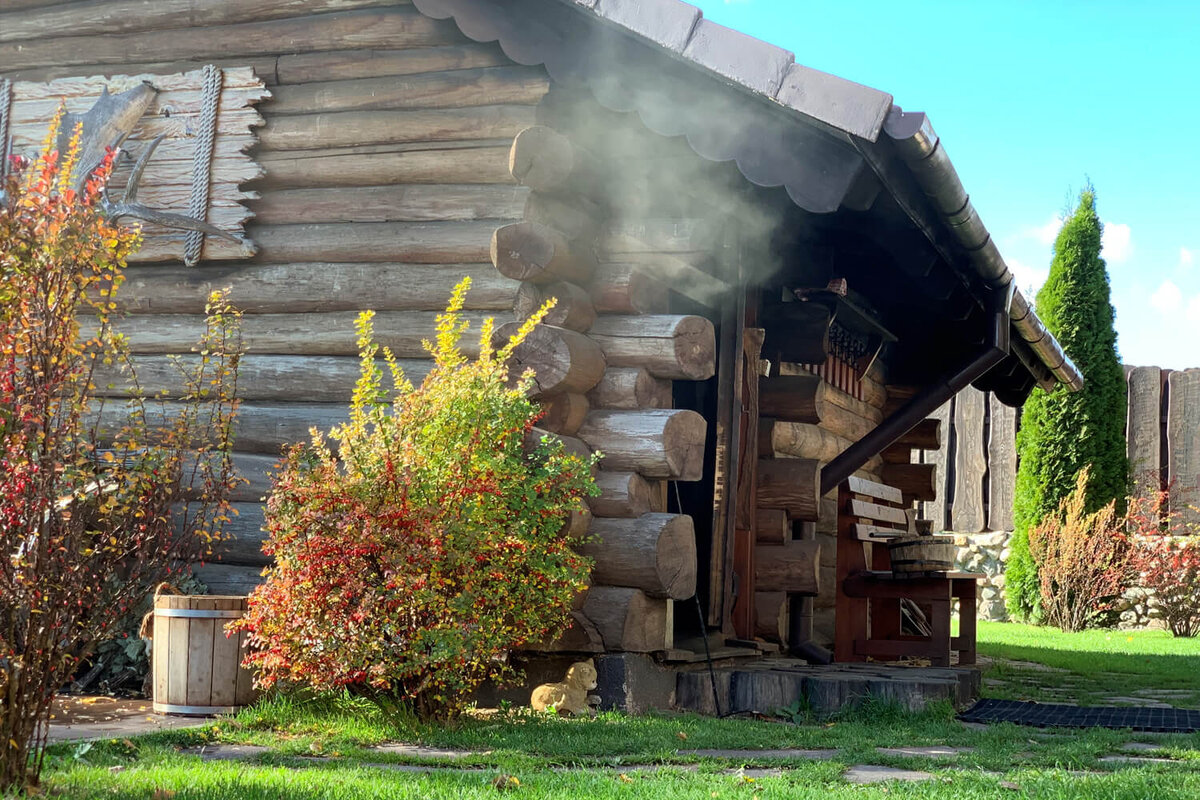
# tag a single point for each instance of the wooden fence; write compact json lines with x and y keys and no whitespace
{"x":977,"y":464}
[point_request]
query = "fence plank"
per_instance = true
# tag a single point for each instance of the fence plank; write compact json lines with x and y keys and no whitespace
{"x":1001,"y":465}
{"x":935,"y":510}
{"x":970,"y":462}
{"x":1143,"y":422}
{"x":1183,"y":432}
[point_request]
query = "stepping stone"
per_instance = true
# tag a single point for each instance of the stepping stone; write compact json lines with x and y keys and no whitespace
{"x":814,"y":755}
{"x":936,"y":751}
{"x":1032,"y":666}
{"x":1118,"y":759}
{"x":1140,"y":702}
{"x":1163,"y":693}
{"x":973,"y":726}
{"x":870,"y":773}
{"x":1141,"y":747}
{"x":226,"y":752}
{"x":421,"y":751}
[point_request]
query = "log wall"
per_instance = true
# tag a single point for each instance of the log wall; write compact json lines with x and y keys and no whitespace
{"x":389,"y":161}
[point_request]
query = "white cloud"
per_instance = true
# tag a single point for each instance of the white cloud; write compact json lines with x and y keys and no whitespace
{"x":1186,"y":258}
{"x":1167,"y":298}
{"x":1117,"y":242}
{"x":1047,"y":233}
{"x":1028,"y":278}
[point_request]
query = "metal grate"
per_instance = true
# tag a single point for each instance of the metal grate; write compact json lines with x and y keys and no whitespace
{"x":1055,"y":715}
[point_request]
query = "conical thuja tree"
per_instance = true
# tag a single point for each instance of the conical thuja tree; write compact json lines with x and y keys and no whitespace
{"x":1062,"y":432}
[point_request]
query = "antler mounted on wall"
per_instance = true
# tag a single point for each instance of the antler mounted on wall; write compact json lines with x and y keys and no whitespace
{"x":183,"y":138}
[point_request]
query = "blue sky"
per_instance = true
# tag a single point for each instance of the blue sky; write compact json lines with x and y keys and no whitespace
{"x":1031,"y":100}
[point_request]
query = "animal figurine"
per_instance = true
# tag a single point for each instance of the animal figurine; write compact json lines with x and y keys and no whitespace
{"x":570,"y":697}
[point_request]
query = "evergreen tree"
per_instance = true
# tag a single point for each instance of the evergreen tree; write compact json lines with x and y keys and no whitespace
{"x":1062,"y":432}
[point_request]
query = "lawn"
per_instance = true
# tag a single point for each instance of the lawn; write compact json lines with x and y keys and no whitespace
{"x":325,"y":748}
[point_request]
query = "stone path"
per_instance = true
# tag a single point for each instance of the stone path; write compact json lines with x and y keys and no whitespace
{"x":78,"y":718}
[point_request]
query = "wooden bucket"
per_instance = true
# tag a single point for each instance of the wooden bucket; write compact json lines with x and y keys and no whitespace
{"x":921,"y":554}
{"x":197,"y":670}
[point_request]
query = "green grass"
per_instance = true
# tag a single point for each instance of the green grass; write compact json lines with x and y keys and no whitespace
{"x":1098,"y":664}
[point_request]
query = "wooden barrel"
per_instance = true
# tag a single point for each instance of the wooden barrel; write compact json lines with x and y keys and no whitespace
{"x":921,"y":554}
{"x":197,"y":669}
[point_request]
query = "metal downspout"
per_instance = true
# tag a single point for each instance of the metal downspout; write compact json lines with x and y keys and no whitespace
{"x":929,"y":399}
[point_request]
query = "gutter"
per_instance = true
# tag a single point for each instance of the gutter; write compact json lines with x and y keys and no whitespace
{"x":922,"y":151}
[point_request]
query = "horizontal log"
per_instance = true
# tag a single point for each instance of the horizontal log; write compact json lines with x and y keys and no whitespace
{"x":397,"y":27}
{"x":262,"y":65}
{"x":308,"y":379}
{"x":629,"y":621}
{"x":580,"y":636}
{"x":681,"y":275}
{"x":668,"y":346}
{"x":420,"y":203}
{"x":791,"y":484}
{"x":227,"y":579}
{"x":329,"y":334}
{"x":794,"y":568}
{"x":258,"y":429}
{"x":46,"y":19}
{"x":847,"y":402}
{"x":658,"y":443}
{"x":242,"y":537}
{"x":772,"y":527}
{"x":562,"y":360}
{"x":161,"y":244}
{"x":564,"y":413}
{"x":799,"y":440}
{"x":340,"y":65}
{"x":771,"y":616}
{"x":458,"y":89}
{"x":843,"y":423}
{"x":792,"y":398}
{"x":622,"y":494}
{"x":630,"y":388}
{"x":654,"y":552}
{"x":916,"y":481}
{"x":464,"y":162}
{"x":572,"y":309}
{"x":417,"y":242}
{"x":927,"y":435}
{"x":356,"y":128}
{"x":531,"y":251}
{"x":627,"y":289}
{"x":571,"y":445}
{"x":576,"y":217}
{"x":297,"y":288}
{"x":576,"y":525}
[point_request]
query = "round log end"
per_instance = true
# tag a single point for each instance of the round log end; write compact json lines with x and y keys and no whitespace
{"x":683,"y":440}
{"x":541,"y":158}
{"x":695,"y":348}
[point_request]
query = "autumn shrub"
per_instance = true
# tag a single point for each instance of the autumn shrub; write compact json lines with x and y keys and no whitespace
{"x":92,"y":514}
{"x":1082,"y":557}
{"x":409,"y":568}
{"x":1166,"y":555}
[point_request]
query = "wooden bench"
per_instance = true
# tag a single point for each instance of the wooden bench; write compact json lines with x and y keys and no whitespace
{"x":869,"y":594}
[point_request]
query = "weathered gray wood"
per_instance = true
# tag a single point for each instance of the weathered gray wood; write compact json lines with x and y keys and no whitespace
{"x":793,"y":568}
{"x":627,"y":289}
{"x":562,"y":360}
{"x":799,"y":440}
{"x":970,"y":464}
{"x":1183,"y":437}
{"x":329,"y":334}
{"x":270,"y":378}
{"x":1002,"y":466}
{"x":916,"y":481}
{"x":577,"y":217}
{"x":791,"y":484}
{"x":772,"y":526}
{"x":349,"y":64}
{"x":935,"y":511}
{"x":227,"y":579}
{"x":458,"y":89}
{"x":1143,"y":431}
{"x":397,"y":27}
{"x":47,"y":19}
{"x":658,"y":443}
{"x":771,"y":615}
{"x":419,"y":203}
{"x":356,"y":128}
{"x":627,"y":620}
{"x":654,"y":552}
{"x":296,"y":288}
{"x":668,"y":346}
{"x":543,"y":159}
{"x":622,"y":494}
{"x":630,"y":388}
{"x":572,"y":309}
{"x":564,"y":413}
{"x":417,"y":242}
{"x":443,"y":162}
{"x":531,"y":251}
{"x":242,"y":537}
{"x":793,"y":398}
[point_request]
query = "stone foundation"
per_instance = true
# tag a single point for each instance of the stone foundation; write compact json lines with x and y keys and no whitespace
{"x":986,"y":553}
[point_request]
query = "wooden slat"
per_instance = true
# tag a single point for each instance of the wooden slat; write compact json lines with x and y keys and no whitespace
{"x":225,"y":658}
{"x":200,"y":659}
{"x":874,"y":490}
{"x":935,"y":511}
{"x":1001,"y":466}
{"x":1144,"y":427}
{"x":177,"y":662}
{"x":1183,"y":435}
{"x":970,"y":463}
{"x":872,"y":511}
{"x":875,"y":533}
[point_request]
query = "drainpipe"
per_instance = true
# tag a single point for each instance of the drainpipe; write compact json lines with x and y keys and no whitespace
{"x":929,"y":399}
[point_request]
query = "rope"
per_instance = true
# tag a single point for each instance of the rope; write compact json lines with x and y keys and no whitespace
{"x":5,"y":144}
{"x":202,"y":161}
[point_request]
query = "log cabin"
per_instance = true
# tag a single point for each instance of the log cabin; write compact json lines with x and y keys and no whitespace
{"x":768,"y":277}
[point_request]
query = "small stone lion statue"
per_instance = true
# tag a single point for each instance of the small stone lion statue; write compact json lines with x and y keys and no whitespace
{"x":570,"y":697}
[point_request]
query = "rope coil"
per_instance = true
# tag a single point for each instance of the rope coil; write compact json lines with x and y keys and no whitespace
{"x":213,"y":79}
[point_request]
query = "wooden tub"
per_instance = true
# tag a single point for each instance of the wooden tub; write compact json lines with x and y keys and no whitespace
{"x":197,"y":669}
